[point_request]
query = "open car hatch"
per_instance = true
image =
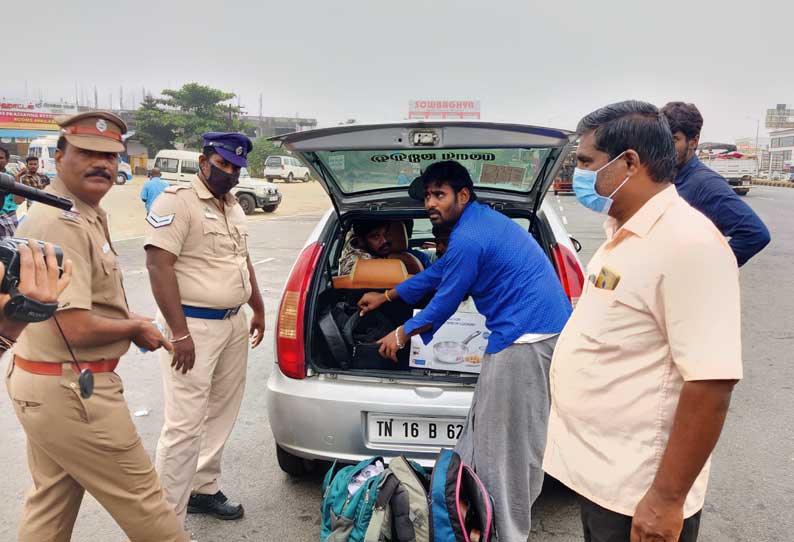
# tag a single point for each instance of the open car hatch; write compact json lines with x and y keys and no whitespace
{"x":366,"y":167}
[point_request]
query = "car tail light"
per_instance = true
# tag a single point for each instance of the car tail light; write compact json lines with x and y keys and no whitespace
{"x":569,"y":271}
{"x":290,"y":328}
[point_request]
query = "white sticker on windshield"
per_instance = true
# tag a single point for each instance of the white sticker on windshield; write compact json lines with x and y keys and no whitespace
{"x":493,"y":174}
{"x":337,"y":162}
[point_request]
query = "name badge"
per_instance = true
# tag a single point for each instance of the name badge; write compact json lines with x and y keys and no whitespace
{"x":211,"y":216}
{"x":105,"y":248}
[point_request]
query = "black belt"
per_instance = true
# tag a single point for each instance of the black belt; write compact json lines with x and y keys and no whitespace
{"x":209,"y":314}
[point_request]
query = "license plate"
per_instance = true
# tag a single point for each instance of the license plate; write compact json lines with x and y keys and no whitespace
{"x":272,"y":198}
{"x":383,"y":429}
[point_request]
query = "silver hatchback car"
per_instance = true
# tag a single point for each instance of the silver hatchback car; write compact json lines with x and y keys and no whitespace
{"x":319,"y":407}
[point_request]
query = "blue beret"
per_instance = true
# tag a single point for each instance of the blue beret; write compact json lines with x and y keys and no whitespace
{"x":232,"y":146}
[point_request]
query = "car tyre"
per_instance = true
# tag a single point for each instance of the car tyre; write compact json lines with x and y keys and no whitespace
{"x":306,"y":177}
{"x":247,"y":202}
{"x":293,"y":465}
{"x":289,"y":178}
{"x":121,"y":178}
{"x":269,"y":208}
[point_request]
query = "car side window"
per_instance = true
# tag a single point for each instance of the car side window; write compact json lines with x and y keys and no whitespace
{"x":167,"y":165}
{"x":190,"y":167}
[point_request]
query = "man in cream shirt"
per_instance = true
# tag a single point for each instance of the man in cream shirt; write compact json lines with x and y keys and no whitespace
{"x":643,"y":372}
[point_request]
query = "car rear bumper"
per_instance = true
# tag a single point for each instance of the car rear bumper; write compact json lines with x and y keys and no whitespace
{"x":322,"y":417}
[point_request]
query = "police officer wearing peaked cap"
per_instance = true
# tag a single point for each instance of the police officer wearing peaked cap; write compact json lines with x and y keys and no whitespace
{"x":76,"y":442}
{"x":201,"y":275}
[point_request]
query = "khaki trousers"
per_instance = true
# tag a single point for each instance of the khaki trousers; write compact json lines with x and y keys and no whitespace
{"x":77,"y":444}
{"x":201,"y":408}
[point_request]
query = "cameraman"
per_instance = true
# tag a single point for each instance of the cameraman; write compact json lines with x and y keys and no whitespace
{"x":38,"y":280}
{"x":81,"y":437}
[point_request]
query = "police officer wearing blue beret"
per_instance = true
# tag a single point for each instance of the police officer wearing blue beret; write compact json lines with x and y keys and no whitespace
{"x":201,"y":275}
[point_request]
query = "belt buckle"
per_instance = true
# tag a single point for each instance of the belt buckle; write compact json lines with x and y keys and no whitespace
{"x":231,"y":312}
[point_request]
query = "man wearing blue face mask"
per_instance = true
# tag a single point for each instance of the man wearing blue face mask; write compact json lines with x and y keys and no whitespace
{"x":643,"y":372}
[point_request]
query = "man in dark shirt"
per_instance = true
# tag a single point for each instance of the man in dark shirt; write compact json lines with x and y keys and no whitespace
{"x":708,"y":191}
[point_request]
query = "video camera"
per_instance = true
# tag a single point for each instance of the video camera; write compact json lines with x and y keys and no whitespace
{"x":20,"y":307}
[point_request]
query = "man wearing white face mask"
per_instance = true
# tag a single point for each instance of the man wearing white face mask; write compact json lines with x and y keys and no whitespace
{"x":643,"y":372}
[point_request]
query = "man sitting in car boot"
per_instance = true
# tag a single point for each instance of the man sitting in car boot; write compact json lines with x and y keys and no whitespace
{"x":371,"y":239}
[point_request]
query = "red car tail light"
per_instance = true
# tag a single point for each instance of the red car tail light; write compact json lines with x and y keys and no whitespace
{"x":569,"y":271}
{"x":290,"y":332}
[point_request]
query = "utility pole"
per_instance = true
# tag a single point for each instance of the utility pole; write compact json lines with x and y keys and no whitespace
{"x":96,"y":98}
{"x":260,"y":115}
{"x":121,"y":98}
{"x":76,"y":96}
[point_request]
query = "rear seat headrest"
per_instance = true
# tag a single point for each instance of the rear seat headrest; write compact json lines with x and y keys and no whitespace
{"x":398,"y":236}
{"x":376,"y":273}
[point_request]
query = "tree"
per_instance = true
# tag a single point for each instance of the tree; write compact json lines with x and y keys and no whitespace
{"x":256,"y":158}
{"x":155,"y":128}
{"x":182,"y":115}
{"x":200,"y":109}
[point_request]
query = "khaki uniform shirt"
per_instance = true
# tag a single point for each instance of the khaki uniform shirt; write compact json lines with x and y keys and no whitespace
{"x":211,"y":245}
{"x":622,"y":359}
{"x":96,"y":283}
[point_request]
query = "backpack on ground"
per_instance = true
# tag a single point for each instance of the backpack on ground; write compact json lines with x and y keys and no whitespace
{"x":345,"y":517}
{"x":462,"y":509}
{"x":404,"y":517}
{"x":450,"y":506}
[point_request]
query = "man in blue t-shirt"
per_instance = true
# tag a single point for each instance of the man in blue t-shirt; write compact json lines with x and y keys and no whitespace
{"x":152,"y":188}
{"x":512,"y":282}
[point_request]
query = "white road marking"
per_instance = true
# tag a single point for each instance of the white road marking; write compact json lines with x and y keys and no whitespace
{"x":561,"y":209}
{"x":266,"y":260}
{"x":565,"y":220}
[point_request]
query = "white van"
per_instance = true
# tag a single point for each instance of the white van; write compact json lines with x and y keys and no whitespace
{"x":43,"y":148}
{"x":177,"y":166}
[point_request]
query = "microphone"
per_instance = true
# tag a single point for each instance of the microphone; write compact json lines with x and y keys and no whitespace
{"x":9,"y":185}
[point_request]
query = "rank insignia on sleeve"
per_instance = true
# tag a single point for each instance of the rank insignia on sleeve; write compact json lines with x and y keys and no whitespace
{"x":158,"y":221}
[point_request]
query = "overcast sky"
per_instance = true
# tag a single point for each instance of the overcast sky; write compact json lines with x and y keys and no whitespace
{"x":545,"y":63}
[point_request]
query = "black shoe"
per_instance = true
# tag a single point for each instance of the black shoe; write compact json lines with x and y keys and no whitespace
{"x":217,"y":505}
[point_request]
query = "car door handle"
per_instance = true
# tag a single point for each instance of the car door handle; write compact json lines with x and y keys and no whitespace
{"x":428,"y":392}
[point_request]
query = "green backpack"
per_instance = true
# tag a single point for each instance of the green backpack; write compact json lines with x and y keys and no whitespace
{"x":345,"y":517}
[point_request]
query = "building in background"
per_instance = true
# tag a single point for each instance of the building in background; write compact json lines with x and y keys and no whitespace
{"x":444,"y":109}
{"x":747,"y":145}
{"x":22,"y":122}
{"x":781,"y":149}
{"x":275,"y":126}
{"x":780,"y":118}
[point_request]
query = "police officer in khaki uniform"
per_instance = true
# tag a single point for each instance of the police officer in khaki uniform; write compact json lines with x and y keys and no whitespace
{"x":76,"y":443}
{"x":201,"y":275}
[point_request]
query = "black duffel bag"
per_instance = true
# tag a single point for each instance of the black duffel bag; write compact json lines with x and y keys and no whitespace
{"x":351,"y":338}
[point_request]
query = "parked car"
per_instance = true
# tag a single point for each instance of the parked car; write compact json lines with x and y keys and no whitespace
{"x":285,"y":168}
{"x":320,"y":410}
{"x":254,"y":194}
{"x":177,"y":166}
{"x":777,"y":176}
{"x":124,"y":173}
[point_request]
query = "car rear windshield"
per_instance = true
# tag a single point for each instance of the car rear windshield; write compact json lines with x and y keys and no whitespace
{"x":273,"y":161}
{"x":515,"y":170}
